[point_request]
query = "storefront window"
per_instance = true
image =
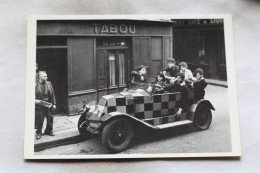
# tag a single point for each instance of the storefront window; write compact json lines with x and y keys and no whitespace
{"x":121,"y":63}
{"x":112,"y":69}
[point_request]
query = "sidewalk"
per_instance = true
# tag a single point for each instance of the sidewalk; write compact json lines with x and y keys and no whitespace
{"x":65,"y":128}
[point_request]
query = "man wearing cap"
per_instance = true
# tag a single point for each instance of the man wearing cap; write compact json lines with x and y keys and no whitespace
{"x":171,"y":71}
{"x":44,"y":92}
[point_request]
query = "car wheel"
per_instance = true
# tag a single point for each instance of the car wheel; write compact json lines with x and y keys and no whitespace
{"x":202,"y":117}
{"x":82,"y":125}
{"x":117,"y":135}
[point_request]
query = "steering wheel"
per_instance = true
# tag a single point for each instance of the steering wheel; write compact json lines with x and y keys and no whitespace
{"x":158,"y":88}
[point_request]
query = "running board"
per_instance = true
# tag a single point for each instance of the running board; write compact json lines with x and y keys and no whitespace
{"x":173,"y":124}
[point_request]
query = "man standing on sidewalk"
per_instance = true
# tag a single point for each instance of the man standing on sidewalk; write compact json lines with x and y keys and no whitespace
{"x":44,"y":92}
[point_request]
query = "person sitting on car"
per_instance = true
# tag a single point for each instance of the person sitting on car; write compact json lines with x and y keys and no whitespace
{"x":171,"y":71}
{"x":160,"y":83}
{"x":188,"y":76}
{"x":180,"y":86}
{"x":199,"y":84}
{"x":137,"y":77}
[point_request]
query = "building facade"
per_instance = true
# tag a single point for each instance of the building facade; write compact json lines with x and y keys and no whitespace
{"x":85,"y":59}
{"x":200,"y":43}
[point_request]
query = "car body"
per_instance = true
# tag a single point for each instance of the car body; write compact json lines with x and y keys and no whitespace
{"x":115,"y":115}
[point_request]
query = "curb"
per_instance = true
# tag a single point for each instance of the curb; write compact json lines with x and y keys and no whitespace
{"x":58,"y":142}
{"x":217,"y":84}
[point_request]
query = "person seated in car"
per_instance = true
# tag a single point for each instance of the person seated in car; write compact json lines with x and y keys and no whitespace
{"x":160,"y":83}
{"x":171,"y":71}
{"x":188,"y":76}
{"x":199,"y":84}
{"x":137,"y":77}
{"x":180,"y":86}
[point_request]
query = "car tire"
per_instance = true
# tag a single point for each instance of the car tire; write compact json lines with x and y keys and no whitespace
{"x":82,"y":130}
{"x":202,"y":118}
{"x":117,"y":135}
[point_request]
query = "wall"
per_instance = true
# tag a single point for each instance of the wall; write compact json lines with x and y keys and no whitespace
{"x":152,"y":52}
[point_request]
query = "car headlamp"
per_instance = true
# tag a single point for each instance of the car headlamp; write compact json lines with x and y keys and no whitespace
{"x":94,"y":111}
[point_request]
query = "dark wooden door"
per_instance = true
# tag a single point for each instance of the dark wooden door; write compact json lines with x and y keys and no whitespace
{"x":112,"y":70}
{"x":102,"y":74}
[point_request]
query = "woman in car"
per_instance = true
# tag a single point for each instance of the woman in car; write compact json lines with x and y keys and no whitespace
{"x":160,"y":83}
{"x":138,"y":77}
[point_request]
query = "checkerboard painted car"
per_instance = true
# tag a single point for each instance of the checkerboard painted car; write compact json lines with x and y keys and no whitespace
{"x":116,"y":115}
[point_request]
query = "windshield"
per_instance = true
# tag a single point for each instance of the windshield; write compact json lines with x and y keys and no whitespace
{"x":102,"y":102}
{"x":150,"y":89}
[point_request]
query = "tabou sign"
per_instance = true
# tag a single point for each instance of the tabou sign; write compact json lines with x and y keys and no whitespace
{"x":114,"y":29}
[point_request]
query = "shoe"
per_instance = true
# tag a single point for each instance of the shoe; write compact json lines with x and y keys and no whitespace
{"x":38,"y":136}
{"x":50,"y":134}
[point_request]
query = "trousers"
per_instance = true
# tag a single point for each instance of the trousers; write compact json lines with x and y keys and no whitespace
{"x":40,"y":113}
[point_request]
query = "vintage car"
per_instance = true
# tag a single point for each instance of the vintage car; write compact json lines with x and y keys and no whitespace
{"x":116,"y":115}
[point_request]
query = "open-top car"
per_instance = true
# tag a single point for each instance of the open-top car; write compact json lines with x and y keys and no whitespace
{"x":115,"y":115}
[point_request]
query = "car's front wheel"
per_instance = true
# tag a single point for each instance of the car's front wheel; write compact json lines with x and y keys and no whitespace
{"x":117,"y":135}
{"x":202,"y":117}
{"x":82,"y":125}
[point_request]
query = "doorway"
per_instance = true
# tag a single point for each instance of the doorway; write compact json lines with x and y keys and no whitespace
{"x":112,"y":70}
{"x":54,"y":62}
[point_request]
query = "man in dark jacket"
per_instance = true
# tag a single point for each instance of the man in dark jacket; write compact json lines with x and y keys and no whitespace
{"x":44,"y":100}
{"x":199,"y":84}
{"x":180,"y":86}
{"x":171,"y":71}
{"x":137,"y":78}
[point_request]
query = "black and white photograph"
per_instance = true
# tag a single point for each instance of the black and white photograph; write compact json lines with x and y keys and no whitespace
{"x":131,"y":86}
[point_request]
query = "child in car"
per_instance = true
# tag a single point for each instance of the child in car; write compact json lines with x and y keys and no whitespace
{"x":171,"y":71}
{"x":137,"y":78}
{"x":160,"y":83}
{"x":188,"y":76}
{"x":180,"y":86}
{"x":199,"y":84}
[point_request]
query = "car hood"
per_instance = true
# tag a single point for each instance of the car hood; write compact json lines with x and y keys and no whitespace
{"x":121,"y":102}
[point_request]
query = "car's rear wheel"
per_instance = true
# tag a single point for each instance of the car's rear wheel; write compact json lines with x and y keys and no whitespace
{"x":117,"y":135}
{"x":202,"y":117}
{"x":82,"y":125}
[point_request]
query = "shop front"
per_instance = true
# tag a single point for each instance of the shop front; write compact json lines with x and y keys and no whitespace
{"x":200,"y":43}
{"x":85,"y":59}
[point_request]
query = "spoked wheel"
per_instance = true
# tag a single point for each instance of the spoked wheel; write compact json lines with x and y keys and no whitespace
{"x":117,"y":135}
{"x":202,"y":117}
{"x":82,"y":125}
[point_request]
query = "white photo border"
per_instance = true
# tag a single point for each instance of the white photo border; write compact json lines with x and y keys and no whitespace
{"x":30,"y":83}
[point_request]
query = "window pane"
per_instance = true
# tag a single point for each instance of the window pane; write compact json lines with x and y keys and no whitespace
{"x":121,"y":63}
{"x":112,"y":69}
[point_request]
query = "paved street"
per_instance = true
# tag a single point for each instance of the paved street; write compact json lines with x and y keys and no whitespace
{"x":175,"y":140}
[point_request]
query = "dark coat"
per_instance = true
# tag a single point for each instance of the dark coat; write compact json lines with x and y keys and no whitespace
{"x":160,"y":86}
{"x":135,"y":80}
{"x":136,"y":77}
{"x":47,"y":91}
{"x":199,"y":87}
{"x":172,"y":71}
{"x":184,"y":90}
